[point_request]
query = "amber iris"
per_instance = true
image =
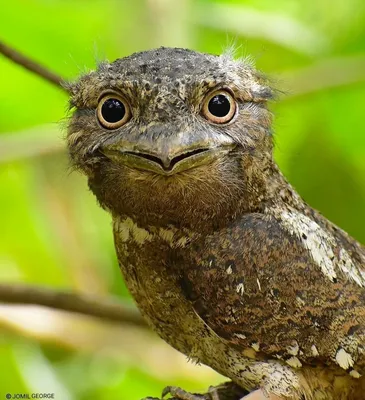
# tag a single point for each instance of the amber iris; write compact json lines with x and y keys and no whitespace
{"x":219,"y":107}
{"x":113,"y":111}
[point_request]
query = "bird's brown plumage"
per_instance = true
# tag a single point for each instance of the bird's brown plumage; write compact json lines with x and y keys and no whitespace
{"x":223,"y":258}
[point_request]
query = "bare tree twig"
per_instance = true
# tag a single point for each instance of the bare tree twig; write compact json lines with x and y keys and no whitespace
{"x":72,"y":302}
{"x":31,"y":65}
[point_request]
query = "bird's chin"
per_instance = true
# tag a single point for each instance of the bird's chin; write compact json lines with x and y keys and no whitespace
{"x":209,"y":185}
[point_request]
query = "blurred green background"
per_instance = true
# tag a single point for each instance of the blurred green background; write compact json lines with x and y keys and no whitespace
{"x":53,"y":233}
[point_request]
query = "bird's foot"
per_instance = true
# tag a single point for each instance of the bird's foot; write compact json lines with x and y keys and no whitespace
{"x":181,"y":394}
{"x":213,"y":394}
{"x":224,"y":391}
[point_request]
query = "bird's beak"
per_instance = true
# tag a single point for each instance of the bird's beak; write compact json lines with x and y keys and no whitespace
{"x":168,"y":155}
{"x":166,"y":163}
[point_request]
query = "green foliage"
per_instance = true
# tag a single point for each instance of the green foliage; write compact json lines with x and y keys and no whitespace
{"x":53,"y":233}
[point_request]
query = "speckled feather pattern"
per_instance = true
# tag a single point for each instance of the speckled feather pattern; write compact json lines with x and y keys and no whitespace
{"x":225,"y":261}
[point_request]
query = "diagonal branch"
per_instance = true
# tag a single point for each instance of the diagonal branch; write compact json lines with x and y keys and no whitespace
{"x":72,"y":302}
{"x":31,"y":65}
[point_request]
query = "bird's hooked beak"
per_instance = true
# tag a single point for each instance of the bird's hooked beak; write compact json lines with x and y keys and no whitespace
{"x":169,"y":155}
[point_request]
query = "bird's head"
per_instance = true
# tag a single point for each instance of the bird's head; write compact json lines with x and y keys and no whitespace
{"x":172,"y":135}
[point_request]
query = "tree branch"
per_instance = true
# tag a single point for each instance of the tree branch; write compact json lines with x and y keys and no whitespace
{"x":31,"y":65}
{"x":71,"y":302}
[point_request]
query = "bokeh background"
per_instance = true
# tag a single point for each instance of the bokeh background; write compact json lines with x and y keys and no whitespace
{"x":52,"y":233}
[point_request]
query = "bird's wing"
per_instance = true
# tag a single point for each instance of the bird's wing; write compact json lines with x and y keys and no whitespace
{"x":292,"y":293}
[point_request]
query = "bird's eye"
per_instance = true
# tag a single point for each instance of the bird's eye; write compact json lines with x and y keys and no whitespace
{"x":113,"y":111}
{"x":219,"y":107}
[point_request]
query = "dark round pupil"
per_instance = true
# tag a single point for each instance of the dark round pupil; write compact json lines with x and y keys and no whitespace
{"x":113,"y":110}
{"x":219,"y":105}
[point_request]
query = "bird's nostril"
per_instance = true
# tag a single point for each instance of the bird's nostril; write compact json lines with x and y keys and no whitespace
{"x":168,"y":166}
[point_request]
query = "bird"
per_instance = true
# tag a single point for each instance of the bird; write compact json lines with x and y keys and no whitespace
{"x":222,"y":256}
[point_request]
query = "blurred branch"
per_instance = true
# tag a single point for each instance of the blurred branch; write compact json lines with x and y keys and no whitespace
{"x":168,"y":23}
{"x":72,"y":302}
{"x":31,"y":65}
{"x":275,"y":27}
{"x":32,"y":142}
{"x":124,"y":344}
{"x":323,"y":75}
